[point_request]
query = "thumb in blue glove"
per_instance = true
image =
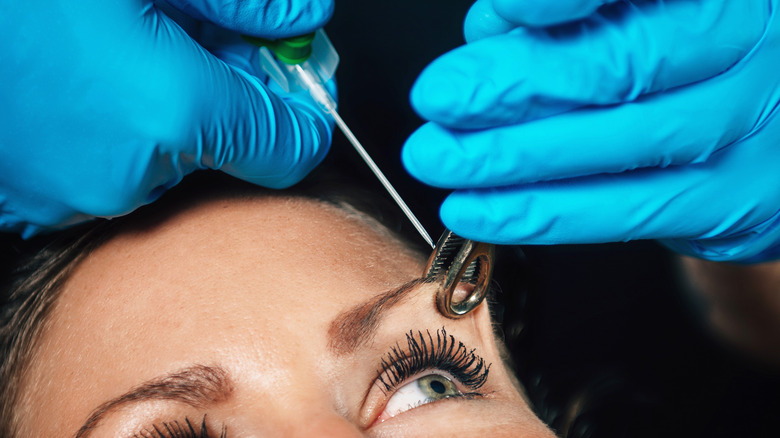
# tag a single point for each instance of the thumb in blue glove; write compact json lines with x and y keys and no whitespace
{"x":494,"y":17}
{"x":108,"y":104}
{"x":646,"y":120}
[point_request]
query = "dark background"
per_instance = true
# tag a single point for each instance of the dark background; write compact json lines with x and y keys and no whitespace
{"x":605,"y":325}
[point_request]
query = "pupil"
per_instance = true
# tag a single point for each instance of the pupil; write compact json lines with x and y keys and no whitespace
{"x":438,"y":387}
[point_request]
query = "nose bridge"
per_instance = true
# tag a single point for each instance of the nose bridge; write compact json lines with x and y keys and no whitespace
{"x":298,"y":418}
{"x":302,"y":405}
{"x":325,"y":425}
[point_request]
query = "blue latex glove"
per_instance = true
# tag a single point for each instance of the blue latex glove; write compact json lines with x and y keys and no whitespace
{"x":644,"y":120}
{"x":106,"y":104}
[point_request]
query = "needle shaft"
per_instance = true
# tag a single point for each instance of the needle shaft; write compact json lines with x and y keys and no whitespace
{"x":321,"y":95}
{"x":381,"y":176}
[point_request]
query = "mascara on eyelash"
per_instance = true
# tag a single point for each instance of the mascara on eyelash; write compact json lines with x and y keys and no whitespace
{"x":175,"y":429}
{"x":444,"y":354}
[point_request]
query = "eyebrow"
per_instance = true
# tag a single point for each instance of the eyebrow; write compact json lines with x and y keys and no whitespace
{"x":197,"y":386}
{"x":358,"y":325}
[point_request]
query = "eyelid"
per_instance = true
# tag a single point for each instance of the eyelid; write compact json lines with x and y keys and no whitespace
{"x":419,"y":375}
{"x":442,"y":352}
{"x":425,"y":354}
{"x":185,"y":428}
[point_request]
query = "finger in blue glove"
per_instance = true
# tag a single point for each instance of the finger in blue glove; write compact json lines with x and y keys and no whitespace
{"x":267,"y":19}
{"x":655,"y":136}
{"x":538,"y":13}
{"x":111,"y":103}
{"x":483,"y":21}
{"x":726,"y":209}
{"x":527,"y":74}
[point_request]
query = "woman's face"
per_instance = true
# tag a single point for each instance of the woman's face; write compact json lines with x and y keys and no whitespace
{"x":264,"y":317}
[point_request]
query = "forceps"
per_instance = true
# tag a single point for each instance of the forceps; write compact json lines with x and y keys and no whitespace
{"x":456,"y":261}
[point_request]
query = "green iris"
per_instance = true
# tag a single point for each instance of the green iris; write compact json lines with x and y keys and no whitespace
{"x":437,"y":387}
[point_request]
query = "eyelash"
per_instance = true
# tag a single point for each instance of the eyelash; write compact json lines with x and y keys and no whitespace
{"x":177,"y":430}
{"x":426,"y":352}
{"x":423,"y":352}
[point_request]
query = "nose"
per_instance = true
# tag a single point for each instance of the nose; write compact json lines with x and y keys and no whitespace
{"x":325,"y":426}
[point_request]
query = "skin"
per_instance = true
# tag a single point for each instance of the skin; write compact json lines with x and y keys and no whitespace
{"x":742,"y":304}
{"x":252,"y":285}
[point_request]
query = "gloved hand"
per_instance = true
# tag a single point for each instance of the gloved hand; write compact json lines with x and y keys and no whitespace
{"x":106,"y":104}
{"x":643,"y":120}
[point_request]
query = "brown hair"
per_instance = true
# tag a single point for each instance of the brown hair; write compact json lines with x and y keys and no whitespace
{"x":29,"y":295}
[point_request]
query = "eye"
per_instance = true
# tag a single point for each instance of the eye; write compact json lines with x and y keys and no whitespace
{"x":421,"y":391}
{"x":431,"y":368}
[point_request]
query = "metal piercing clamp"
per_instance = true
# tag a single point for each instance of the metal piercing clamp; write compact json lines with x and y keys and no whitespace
{"x":456,"y":260}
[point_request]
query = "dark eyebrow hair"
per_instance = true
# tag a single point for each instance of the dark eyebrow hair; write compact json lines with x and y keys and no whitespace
{"x":356,"y":326}
{"x":197,"y":386}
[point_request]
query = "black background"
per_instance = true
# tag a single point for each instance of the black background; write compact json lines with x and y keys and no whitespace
{"x":607,"y":322}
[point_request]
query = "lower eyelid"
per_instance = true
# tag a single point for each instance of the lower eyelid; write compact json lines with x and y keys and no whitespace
{"x":434,"y":404}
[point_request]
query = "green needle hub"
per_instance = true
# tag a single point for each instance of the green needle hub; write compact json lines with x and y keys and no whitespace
{"x":293,"y":50}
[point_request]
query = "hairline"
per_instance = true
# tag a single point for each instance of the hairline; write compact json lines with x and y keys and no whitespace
{"x":40,"y":288}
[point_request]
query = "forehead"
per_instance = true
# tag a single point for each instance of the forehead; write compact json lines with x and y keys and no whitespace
{"x":211,"y":280}
{"x":234,"y":239}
